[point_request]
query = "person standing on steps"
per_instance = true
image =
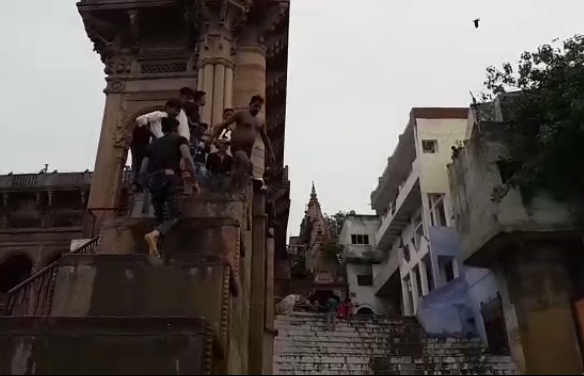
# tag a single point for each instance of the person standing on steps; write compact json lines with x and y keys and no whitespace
{"x":247,"y":126}
{"x":148,"y":128}
{"x":162,"y":164}
{"x":226,"y":134}
{"x":332,"y":305}
{"x":186,"y":96}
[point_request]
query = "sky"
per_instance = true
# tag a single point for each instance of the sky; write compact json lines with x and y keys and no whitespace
{"x":355,"y":70}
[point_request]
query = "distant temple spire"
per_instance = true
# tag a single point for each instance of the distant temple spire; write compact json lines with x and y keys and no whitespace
{"x":313,"y":191}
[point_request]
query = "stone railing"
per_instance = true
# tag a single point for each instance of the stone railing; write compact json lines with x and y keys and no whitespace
{"x":48,"y":180}
{"x":34,"y":295}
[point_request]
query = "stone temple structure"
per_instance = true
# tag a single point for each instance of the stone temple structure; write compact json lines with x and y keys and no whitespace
{"x":105,"y":304}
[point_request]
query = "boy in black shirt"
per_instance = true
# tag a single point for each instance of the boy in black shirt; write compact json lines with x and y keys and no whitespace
{"x":162,"y":162}
{"x":219,"y":163}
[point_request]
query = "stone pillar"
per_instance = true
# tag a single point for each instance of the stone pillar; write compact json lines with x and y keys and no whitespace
{"x":406,"y":296}
{"x":415,"y":295}
{"x":250,"y":80}
{"x":269,"y":331}
{"x":537,"y":293}
{"x":228,"y":97}
{"x":423,"y":277}
{"x":215,"y":62}
{"x":258,"y":285}
{"x":110,"y":160}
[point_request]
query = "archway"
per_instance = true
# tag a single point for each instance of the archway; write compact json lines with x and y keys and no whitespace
{"x":365,"y":311}
{"x":140,"y":138}
{"x":14,"y":270}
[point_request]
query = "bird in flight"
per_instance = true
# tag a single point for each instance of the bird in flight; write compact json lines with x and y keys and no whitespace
{"x":476,"y":23}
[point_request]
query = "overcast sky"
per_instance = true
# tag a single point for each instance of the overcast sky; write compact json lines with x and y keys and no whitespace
{"x":356,"y":68}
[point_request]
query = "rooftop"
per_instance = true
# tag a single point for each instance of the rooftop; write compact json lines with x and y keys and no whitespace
{"x":404,"y":154}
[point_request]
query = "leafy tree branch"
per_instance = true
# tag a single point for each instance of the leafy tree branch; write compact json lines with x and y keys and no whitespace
{"x":542,"y":99}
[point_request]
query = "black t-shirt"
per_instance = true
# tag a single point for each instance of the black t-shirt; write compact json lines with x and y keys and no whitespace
{"x":164,"y":152}
{"x":199,"y":150}
{"x":218,"y":166}
{"x":192,"y":112}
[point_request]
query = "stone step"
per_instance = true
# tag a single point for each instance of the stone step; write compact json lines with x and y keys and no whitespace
{"x":341,"y":348}
{"x":375,"y":320}
{"x":294,"y":350}
{"x":471,"y":369}
{"x":451,"y":359}
{"x":354,"y":324}
{"x":348,"y":332}
{"x":342,"y":326}
{"x":379,"y":346}
{"x":426,"y":365}
{"x":342,"y":337}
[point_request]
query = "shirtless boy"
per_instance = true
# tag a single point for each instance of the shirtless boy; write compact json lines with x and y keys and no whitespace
{"x":247,"y":127}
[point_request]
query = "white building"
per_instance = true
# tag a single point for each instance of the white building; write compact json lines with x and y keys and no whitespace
{"x":412,"y":198}
{"x":361,"y":260}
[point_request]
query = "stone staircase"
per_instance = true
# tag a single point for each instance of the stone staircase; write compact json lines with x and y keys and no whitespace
{"x":375,"y":346}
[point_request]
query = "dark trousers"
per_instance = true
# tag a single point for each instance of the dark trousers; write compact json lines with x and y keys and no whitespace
{"x":166,"y":196}
{"x":140,"y":141}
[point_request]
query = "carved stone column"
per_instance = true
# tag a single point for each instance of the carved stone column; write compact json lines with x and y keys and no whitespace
{"x":250,"y":60}
{"x":269,"y":331}
{"x":258,"y":285}
{"x":109,"y":161}
{"x":215,"y":66}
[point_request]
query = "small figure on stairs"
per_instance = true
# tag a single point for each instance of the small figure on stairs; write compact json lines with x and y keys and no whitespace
{"x":346,"y":309}
{"x":332,"y":306}
{"x":162,"y":165}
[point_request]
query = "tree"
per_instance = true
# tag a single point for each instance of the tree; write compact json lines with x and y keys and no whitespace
{"x":544,"y":117}
{"x":335,"y":224}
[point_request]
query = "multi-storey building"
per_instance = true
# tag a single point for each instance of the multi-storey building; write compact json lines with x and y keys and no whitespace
{"x":361,"y":260}
{"x":417,"y":228}
{"x":531,"y":240}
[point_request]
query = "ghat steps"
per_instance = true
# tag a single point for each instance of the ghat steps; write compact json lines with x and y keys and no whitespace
{"x":375,"y":346}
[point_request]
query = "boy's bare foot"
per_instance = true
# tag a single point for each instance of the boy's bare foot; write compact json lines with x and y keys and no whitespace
{"x":151,"y":239}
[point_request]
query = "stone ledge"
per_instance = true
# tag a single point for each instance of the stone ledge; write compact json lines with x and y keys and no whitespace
{"x":47,"y":325}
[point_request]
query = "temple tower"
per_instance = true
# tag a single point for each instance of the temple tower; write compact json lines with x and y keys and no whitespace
{"x":323,"y":268}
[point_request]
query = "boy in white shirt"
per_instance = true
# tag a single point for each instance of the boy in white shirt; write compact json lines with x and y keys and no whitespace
{"x":171,"y":109}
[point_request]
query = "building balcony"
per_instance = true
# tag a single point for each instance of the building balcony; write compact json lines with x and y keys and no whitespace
{"x":362,"y":253}
{"x":408,"y":200}
{"x":396,"y":171}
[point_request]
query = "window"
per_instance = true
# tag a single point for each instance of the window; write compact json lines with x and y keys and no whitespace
{"x":437,"y":210}
{"x":406,"y":252}
{"x":429,"y":276}
{"x":359,"y":239}
{"x":447,"y":268}
{"x":418,"y":235}
{"x":430,"y":146}
{"x":365,"y":275}
{"x":418,"y":279}
{"x":449,"y":271}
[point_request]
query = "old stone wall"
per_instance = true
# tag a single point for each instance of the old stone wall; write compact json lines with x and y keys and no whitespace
{"x":104,"y":346}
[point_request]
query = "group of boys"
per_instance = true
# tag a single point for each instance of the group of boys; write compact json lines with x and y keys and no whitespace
{"x":171,"y":144}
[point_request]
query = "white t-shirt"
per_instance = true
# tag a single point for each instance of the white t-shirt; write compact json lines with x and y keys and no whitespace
{"x":183,"y":125}
{"x":154,"y":121}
